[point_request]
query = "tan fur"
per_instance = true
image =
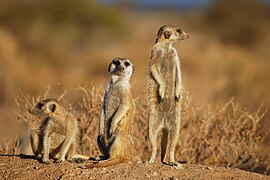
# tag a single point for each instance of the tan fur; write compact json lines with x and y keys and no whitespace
{"x":57,"y":133}
{"x":106,"y":163}
{"x":114,"y":138}
{"x":165,"y":91}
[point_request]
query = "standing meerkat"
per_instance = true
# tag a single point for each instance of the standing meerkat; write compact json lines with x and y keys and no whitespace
{"x":165,"y":92}
{"x":57,"y":133}
{"x":116,"y":118}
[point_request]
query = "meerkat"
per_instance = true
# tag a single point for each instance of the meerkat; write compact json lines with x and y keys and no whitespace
{"x":57,"y":133}
{"x":116,"y":117}
{"x":165,"y":92}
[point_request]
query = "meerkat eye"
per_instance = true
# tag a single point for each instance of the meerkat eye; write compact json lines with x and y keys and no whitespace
{"x":127,"y":63}
{"x":40,"y":105}
{"x":179,"y":31}
{"x":116,"y":62}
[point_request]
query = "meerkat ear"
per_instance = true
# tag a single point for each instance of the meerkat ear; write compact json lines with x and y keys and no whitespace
{"x":109,"y":68}
{"x":167,"y":34}
{"x":52,"y":107}
{"x":159,"y":34}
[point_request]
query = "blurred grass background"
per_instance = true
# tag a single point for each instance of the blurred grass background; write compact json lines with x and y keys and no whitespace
{"x":72,"y":42}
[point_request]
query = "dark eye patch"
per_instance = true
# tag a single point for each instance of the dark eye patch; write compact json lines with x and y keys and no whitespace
{"x":127,"y":63}
{"x":179,"y":31}
{"x":40,"y":105}
{"x":116,"y":62}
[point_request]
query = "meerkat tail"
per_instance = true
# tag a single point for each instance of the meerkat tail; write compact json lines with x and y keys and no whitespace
{"x":81,"y":156}
{"x":106,"y":163}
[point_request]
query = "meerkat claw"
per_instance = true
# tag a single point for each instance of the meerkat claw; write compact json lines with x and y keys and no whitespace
{"x":46,"y":162}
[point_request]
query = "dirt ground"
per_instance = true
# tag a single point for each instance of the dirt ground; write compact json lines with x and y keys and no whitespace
{"x":15,"y":167}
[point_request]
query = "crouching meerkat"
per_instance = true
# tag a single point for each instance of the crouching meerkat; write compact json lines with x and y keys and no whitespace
{"x":57,"y":133}
{"x":165,"y":92}
{"x":116,"y":117}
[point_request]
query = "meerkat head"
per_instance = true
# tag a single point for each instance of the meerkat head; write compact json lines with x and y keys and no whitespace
{"x":46,"y":107}
{"x":121,"y":67}
{"x":171,"y":33}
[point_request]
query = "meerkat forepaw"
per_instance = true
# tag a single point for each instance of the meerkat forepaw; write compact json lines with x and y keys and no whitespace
{"x":101,"y":135}
{"x":178,"y":97}
{"x":111,"y":132}
{"x":178,"y":94}
{"x":162,"y":92}
{"x":101,"y":138}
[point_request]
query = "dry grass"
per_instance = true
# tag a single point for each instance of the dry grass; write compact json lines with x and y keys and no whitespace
{"x":226,"y":136}
{"x":88,"y":118}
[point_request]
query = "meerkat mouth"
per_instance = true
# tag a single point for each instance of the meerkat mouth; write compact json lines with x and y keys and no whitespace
{"x":119,"y":72}
{"x":185,"y":37}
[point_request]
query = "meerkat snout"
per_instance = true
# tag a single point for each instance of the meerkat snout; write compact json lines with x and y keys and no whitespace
{"x":121,"y":66}
{"x":184,"y":36}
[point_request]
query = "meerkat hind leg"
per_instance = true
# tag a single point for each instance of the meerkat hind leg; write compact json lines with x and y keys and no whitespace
{"x":70,"y":154}
{"x":46,"y":144}
{"x":34,"y":139}
{"x":154,"y":129}
{"x":66,"y":146}
{"x":173,"y":135}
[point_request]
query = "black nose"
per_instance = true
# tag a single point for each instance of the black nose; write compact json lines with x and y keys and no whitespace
{"x":121,"y":68}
